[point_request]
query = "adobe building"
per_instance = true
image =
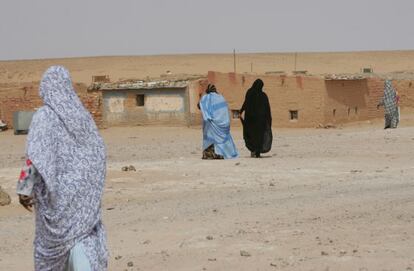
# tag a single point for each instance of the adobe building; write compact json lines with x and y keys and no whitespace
{"x":156,"y":101}
{"x":313,"y":101}
{"x":296,"y":100}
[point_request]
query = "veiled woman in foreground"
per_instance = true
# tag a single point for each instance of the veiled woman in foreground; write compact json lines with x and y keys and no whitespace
{"x":64,"y":178}
{"x":257,"y":121}
{"x":217,"y":140}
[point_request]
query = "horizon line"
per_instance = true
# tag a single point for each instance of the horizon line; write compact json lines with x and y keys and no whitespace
{"x":206,"y":54}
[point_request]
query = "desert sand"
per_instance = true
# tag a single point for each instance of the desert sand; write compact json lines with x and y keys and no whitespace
{"x":132,"y":67}
{"x":322,"y":199}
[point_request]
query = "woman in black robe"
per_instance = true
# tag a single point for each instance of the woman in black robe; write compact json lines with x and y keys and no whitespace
{"x":257,"y":122}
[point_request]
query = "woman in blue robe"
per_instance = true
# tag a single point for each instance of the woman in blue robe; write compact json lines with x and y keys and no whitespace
{"x":217,"y":140}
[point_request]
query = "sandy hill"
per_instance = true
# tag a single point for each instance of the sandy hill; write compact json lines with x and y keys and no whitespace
{"x":123,"y":67}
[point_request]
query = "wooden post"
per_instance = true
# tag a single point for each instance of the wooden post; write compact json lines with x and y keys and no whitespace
{"x":296,"y":56}
{"x":234,"y":59}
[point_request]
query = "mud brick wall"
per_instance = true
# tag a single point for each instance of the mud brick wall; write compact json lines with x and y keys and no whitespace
{"x":160,"y":107}
{"x":286,"y":93}
{"x":195,"y":90}
{"x":25,"y":97}
{"x":316,"y":100}
{"x":18,"y":97}
{"x":352,"y":100}
{"x":375,"y":93}
{"x":405,"y":89}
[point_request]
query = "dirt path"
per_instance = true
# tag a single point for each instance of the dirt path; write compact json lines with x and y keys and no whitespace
{"x":338,"y":199}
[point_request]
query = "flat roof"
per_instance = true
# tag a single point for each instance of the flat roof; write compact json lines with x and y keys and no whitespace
{"x":344,"y":77}
{"x":155,"y":83}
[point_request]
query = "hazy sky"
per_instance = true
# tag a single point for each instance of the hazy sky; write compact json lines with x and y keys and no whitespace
{"x":57,"y":28}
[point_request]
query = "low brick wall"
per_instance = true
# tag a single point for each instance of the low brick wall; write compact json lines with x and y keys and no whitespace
{"x":25,"y":97}
{"x":315,"y":100}
{"x":286,"y":93}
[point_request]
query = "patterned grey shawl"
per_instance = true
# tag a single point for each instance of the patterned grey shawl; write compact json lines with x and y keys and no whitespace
{"x":390,"y":98}
{"x":65,"y":147}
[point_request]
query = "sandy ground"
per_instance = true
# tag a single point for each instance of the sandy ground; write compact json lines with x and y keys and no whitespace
{"x":337,"y":199}
{"x":82,"y":69}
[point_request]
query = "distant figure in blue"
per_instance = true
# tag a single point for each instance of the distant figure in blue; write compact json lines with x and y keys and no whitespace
{"x":217,"y":140}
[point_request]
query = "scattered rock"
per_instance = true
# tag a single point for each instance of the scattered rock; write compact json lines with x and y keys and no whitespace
{"x":212,"y":259}
{"x":146,"y":242}
{"x":241,"y":231}
{"x":342,"y":253}
{"x":110,"y":208}
{"x":4,"y":198}
{"x":329,"y":126}
{"x":326,"y":126}
{"x":209,"y":237}
{"x":237,"y":164}
{"x":356,"y":171}
{"x":324,"y":253}
{"x":118,"y":257}
{"x":128,"y":168}
{"x":271,"y":184}
{"x":130,"y":264}
{"x":244,"y":253}
{"x":273,"y":264}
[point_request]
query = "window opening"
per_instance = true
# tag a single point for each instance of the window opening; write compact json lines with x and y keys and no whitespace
{"x":140,"y":100}
{"x":293,"y":114}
